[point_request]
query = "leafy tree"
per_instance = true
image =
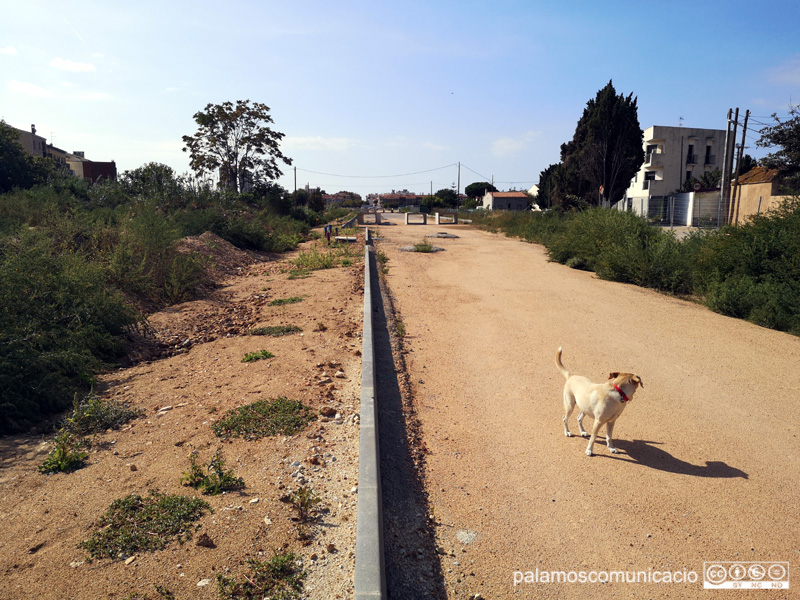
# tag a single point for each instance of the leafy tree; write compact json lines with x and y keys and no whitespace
{"x":546,"y":185}
{"x":236,"y":141}
{"x":605,"y":152}
{"x":478,"y":189}
{"x":748,"y":164}
{"x":447,"y":196}
{"x":316,"y":202}
{"x":709,"y":181}
{"x":17,"y":167}
{"x":785,"y":135}
{"x":151,"y":180}
{"x":274,"y":196}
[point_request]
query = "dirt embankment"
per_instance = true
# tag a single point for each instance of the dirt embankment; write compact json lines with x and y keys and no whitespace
{"x":195,"y":367}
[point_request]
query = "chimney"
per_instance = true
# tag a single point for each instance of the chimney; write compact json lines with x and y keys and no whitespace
{"x":33,"y":129}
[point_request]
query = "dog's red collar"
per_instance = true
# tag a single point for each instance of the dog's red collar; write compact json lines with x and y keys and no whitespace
{"x":621,"y":393}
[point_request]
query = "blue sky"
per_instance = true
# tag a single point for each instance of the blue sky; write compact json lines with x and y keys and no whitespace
{"x":367,"y":90}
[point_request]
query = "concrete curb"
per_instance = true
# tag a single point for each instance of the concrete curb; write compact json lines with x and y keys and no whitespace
{"x":369,"y":581}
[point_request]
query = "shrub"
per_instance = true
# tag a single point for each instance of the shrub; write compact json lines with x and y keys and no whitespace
{"x":93,"y":414}
{"x":212,"y":480}
{"x":260,"y":355}
{"x":283,"y":301}
{"x":264,"y":418}
{"x":67,"y":456}
{"x":276,"y":330}
{"x":280,"y":578}
{"x":135,"y":523}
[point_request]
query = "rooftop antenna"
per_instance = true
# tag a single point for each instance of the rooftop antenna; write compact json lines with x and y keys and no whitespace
{"x":680,"y":121}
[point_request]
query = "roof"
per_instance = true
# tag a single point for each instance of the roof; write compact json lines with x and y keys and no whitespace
{"x":509,"y":195}
{"x":758,"y":175}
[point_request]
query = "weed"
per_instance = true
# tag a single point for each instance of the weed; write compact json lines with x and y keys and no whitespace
{"x":213,"y":479}
{"x":135,"y":523}
{"x":283,"y":301}
{"x":383,"y":261}
{"x":299,"y":274}
{"x":400,"y":328}
{"x":304,"y":502}
{"x":93,"y":414}
{"x":264,"y":418}
{"x":314,"y":260}
{"x":260,"y":355}
{"x":423,"y":246}
{"x":276,"y":330}
{"x":280,"y":578}
{"x":67,"y":456}
{"x":320,"y":327}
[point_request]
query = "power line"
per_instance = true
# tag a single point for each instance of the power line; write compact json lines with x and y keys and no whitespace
{"x":376,"y":176}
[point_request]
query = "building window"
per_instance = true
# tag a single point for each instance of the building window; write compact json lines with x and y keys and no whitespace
{"x":688,"y":175}
{"x":710,"y":158}
{"x":648,"y":177}
{"x":691,"y":157}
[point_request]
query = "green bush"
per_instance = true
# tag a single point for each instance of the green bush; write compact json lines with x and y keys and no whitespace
{"x":67,"y":456}
{"x":213,"y":479}
{"x":144,"y":524}
{"x":264,"y":418}
{"x":280,"y":578}
{"x":60,"y":323}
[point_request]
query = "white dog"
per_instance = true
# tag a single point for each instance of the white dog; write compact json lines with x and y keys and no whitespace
{"x":604,"y":402}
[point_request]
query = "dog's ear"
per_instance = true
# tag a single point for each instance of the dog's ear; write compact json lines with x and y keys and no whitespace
{"x":638,"y":380}
{"x":613,"y":375}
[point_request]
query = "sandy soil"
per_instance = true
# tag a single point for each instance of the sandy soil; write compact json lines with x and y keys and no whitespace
{"x":200,"y":375}
{"x":709,"y":462}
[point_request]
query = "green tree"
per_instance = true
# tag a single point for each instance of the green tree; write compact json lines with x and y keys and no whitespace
{"x":17,"y":167}
{"x":236,"y":141}
{"x":151,"y":180}
{"x":785,"y":136}
{"x":605,"y":152}
{"x":316,"y":202}
{"x":546,"y":184}
{"x":478,"y":189}
{"x":748,"y":164}
{"x":448,"y":197}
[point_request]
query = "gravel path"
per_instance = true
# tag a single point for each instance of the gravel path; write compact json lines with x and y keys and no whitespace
{"x":708,"y":467}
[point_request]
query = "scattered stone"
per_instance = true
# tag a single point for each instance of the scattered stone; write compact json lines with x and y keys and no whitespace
{"x":36,"y":548}
{"x":129,"y":560}
{"x":267,"y":521}
{"x":466,"y":536}
{"x":204,"y":582}
{"x":328,"y":411}
{"x":76,"y":563}
{"x":340,"y":374}
{"x":204,"y":541}
{"x":254,"y":501}
{"x":330,"y":548}
{"x":164,"y":409}
{"x":132,"y":467}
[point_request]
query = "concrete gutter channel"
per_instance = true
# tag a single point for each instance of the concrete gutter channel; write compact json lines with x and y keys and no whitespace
{"x":370,"y":573}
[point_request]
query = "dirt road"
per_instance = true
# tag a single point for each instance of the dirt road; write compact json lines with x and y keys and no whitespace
{"x":708,"y":464}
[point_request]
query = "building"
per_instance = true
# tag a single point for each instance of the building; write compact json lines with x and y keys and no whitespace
{"x":75,"y":162}
{"x":673,"y":155}
{"x":506,"y":201}
{"x":33,"y":144}
{"x":757,"y":191}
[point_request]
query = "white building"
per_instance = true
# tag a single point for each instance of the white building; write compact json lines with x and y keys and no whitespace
{"x":673,"y":155}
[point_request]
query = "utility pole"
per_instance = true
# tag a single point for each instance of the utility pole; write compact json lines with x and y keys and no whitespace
{"x":739,"y":155}
{"x":458,"y":187}
{"x":295,"y":182}
{"x":724,"y":164}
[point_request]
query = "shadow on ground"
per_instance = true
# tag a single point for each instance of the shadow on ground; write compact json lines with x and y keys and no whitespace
{"x":413,"y":569}
{"x":645,"y":453}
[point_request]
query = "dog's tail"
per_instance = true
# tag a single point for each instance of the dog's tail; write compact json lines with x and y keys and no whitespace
{"x":561,"y":368}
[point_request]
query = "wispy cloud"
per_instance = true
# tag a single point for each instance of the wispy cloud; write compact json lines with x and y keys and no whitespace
{"x":432,"y":146}
{"x":508,"y":146}
{"x":319,"y":143}
{"x":8,"y":50}
{"x":72,"y":66}
{"x":28,"y":89}
{"x":786,"y":73}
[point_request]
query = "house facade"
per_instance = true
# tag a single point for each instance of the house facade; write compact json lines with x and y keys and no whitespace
{"x":755,"y":192}
{"x":505,"y":201}
{"x":673,"y":155}
{"x":33,"y":144}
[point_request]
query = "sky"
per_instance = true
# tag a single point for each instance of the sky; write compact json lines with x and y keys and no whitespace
{"x":377,"y":96}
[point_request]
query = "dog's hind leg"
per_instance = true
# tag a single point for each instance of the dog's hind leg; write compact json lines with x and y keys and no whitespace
{"x":584,"y":433}
{"x":569,"y":405}
{"x":595,"y":429}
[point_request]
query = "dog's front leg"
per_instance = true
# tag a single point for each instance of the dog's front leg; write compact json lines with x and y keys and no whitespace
{"x":609,"y":434}
{"x":595,"y":429}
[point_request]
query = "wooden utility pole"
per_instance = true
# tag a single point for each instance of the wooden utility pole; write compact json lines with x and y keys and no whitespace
{"x":724,"y":165}
{"x":734,"y":213}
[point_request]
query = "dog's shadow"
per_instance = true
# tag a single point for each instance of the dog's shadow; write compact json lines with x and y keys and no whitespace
{"x":645,"y":453}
